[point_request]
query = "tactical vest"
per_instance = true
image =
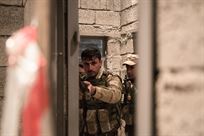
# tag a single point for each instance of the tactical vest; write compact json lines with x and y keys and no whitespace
{"x":128,"y":102}
{"x":100,"y":117}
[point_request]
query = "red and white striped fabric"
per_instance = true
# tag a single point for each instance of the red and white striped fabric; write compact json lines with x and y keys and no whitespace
{"x":27,"y":107}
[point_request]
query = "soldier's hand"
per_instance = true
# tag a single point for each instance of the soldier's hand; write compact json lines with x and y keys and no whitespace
{"x":91,"y":88}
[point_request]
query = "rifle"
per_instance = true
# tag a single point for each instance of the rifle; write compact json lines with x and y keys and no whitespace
{"x":126,"y":90}
{"x":93,"y":81}
{"x":82,"y":86}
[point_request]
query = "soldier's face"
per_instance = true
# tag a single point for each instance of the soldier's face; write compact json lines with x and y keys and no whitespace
{"x":131,"y":71}
{"x":92,"y":66}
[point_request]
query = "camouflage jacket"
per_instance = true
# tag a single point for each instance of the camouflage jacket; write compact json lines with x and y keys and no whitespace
{"x":100,"y":112}
{"x":128,"y":102}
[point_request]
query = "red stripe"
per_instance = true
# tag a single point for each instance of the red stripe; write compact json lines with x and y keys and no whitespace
{"x":36,"y":105}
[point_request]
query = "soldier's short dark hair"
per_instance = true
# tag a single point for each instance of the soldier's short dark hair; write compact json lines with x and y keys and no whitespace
{"x":90,"y":53}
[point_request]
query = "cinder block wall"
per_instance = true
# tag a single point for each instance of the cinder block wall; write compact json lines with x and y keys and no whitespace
{"x":180,"y":85}
{"x":115,"y":19}
{"x":128,"y":23}
{"x":11,"y":19}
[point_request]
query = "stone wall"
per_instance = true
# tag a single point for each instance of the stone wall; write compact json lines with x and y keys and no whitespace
{"x":180,"y":86}
{"x":11,"y":19}
{"x":114,"y":19}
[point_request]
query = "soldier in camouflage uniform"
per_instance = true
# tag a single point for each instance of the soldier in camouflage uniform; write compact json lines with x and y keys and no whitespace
{"x":100,"y":95}
{"x":129,"y":91}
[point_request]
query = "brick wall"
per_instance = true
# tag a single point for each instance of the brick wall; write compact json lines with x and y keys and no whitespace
{"x":115,"y":19}
{"x":180,"y":85}
{"x":11,"y":19}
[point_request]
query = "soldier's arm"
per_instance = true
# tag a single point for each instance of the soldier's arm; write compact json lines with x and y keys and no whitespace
{"x":111,"y":93}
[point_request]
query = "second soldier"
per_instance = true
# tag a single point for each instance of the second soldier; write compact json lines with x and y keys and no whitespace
{"x":129,"y":92}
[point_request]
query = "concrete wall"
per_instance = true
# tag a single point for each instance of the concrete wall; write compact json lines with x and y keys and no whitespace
{"x":11,"y":19}
{"x":180,"y":85}
{"x":114,"y":19}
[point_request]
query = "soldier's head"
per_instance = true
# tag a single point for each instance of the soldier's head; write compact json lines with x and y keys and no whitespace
{"x":131,"y":66}
{"x":91,"y":59}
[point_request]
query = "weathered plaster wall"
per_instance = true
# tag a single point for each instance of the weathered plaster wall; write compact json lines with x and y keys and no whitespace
{"x":180,"y":85}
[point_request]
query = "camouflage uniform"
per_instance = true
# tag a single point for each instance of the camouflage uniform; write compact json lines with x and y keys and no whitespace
{"x":128,"y":103}
{"x":129,"y":92}
{"x":100,"y":114}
